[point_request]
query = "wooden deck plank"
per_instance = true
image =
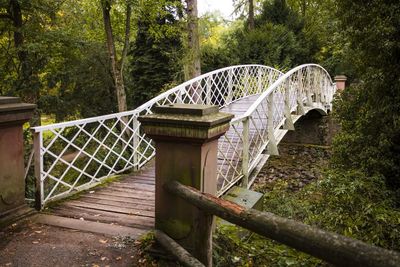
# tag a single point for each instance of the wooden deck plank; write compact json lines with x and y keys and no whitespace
{"x":135,"y":221}
{"x":106,"y":197}
{"x":130,"y":201}
{"x":112,"y":203}
{"x":115,"y":209}
{"x":88,"y":226}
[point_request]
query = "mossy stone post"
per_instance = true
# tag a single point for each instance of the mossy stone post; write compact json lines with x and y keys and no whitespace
{"x":186,"y":138}
{"x":12,"y":184}
{"x":340,"y":82}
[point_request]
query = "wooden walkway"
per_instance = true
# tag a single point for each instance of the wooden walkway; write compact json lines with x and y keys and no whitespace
{"x":120,"y":205}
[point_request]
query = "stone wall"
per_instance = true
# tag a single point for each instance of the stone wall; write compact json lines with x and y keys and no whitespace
{"x":313,"y":128}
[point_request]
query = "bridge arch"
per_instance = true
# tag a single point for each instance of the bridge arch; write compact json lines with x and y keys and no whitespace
{"x":75,"y":155}
{"x":255,"y":134}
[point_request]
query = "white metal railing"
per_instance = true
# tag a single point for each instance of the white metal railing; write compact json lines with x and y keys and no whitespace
{"x":75,"y":155}
{"x":261,"y":127}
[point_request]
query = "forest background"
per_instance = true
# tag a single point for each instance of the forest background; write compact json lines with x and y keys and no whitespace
{"x":78,"y":59}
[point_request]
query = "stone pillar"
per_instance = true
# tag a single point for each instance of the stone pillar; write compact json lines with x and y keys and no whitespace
{"x":340,"y":82}
{"x":13,"y":115}
{"x":186,"y":138}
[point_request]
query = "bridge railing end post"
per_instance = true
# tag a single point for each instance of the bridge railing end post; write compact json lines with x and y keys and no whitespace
{"x":340,"y":82}
{"x":186,"y":139}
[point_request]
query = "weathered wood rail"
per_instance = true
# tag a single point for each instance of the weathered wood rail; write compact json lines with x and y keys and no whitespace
{"x":333,"y":248}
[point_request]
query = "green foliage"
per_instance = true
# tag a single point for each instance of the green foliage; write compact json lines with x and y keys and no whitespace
{"x":268,"y":44}
{"x":155,"y":53}
{"x":233,"y":248}
{"x":279,"y":39}
{"x":348,"y":203}
{"x":67,"y":71}
{"x":369,"y":112}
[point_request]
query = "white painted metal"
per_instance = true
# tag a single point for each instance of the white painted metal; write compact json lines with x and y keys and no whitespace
{"x":300,"y":90}
{"x":75,"y":155}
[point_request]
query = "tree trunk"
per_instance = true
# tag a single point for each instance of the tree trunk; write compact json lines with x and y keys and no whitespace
{"x":29,"y":91}
{"x":251,"y":15}
{"x":193,"y":65}
{"x":115,"y":69}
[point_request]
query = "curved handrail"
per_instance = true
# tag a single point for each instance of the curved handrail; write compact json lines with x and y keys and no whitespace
{"x":73,"y":155}
{"x":268,"y":118}
{"x":279,"y":82}
{"x":149,"y":104}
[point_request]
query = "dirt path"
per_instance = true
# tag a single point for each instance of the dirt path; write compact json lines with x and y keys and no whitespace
{"x":31,"y":244}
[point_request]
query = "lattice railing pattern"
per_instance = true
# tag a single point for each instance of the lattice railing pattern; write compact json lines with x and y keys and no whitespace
{"x":75,"y":155}
{"x":301,"y":89}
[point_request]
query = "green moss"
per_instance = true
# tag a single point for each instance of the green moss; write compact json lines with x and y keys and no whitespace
{"x":175,"y":228}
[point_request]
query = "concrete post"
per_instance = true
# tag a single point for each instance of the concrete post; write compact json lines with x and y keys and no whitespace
{"x":12,"y":184}
{"x":186,"y":138}
{"x":340,"y":82}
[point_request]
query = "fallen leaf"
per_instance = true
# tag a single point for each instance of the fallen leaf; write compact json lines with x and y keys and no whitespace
{"x":82,"y":219}
{"x":35,"y":242}
{"x":103,"y":258}
{"x":103,"y":241}
{"x":118,"y":258}
{"x":95,"y":265}
{"x":38,"y":232}
{"x":91,"y":192}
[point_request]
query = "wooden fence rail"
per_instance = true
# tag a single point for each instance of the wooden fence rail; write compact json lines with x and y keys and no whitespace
{"x":333,"y":248}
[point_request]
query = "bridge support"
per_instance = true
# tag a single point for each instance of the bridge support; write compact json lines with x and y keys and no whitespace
{"x":12,"y":185}
{"x":340,"y":82}
{"x":186,"y":138}
{"x":314,"y":128}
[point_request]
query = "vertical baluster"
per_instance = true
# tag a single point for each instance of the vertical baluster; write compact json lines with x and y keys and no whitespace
{"x":272,"y":148}
{"x":288,"y":117}
{"x":208,"y":90}
{"x":179,"y":95}
{"x":300,"y":93}
{"x":259,"y":80}
{"x":309,"y":87}
{"x":230,"y":87}
{"x":135,"y":140}
{"x":246,"y":82}
{"x":318,"y":87}
{"x":245,"y":152}
{"x":39,"y":187}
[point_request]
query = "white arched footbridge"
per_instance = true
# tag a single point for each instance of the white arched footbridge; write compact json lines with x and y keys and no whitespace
{"x":76,"y":155}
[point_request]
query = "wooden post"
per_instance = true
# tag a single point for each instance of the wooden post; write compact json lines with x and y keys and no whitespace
{"x":13,"y":115}
{"x":333,"y":248}
{"x":186,"y":138}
